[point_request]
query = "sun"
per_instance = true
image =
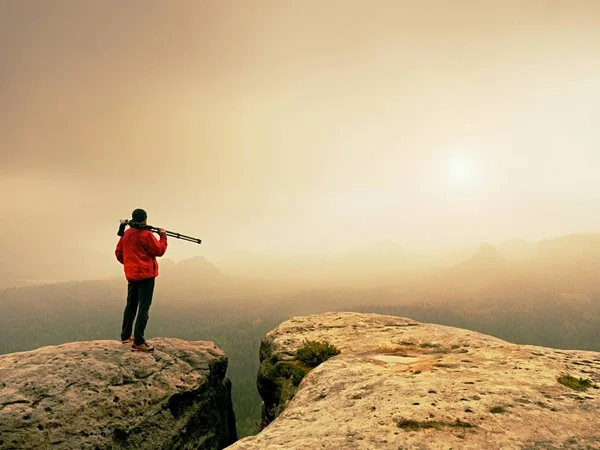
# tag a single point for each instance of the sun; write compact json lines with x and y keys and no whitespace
{"x":461,"y":170}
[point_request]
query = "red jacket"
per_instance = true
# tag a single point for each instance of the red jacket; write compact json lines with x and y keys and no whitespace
{"x":137,"y":251}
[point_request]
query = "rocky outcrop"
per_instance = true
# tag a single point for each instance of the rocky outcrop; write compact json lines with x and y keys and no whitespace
{"x":401,"y":384}
{"x":100,"y":395}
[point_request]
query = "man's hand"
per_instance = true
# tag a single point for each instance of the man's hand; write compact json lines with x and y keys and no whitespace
{"x":162,"y":232}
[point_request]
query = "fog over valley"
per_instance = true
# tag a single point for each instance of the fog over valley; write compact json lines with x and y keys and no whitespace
{"x":431,"y":160}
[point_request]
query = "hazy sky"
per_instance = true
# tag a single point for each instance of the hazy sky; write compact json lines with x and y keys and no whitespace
{"x":285,"y":125}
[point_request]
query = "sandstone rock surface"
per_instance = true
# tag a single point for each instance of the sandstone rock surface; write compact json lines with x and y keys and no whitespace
{"x":401,"y":384}
{"x":101,"y":395}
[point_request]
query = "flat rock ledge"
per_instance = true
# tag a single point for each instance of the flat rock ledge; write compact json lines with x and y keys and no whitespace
{"x":100,"y":395}
{"x":400,"y":384}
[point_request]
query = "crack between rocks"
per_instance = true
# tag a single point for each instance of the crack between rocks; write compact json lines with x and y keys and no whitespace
{"x":14,"y":402}
{"x":39,"y":400}
{"x":149,"y":375}
{"x":68,"y":386}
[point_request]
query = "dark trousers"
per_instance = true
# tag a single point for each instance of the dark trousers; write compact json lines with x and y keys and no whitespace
{"x":139,"y":295}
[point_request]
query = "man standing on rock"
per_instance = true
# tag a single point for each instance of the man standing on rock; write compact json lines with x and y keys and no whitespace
{"x":137,"y":250}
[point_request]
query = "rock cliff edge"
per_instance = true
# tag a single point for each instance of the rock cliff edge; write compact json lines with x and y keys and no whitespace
{"x":99,"y":395}
{"x":401,"y":384}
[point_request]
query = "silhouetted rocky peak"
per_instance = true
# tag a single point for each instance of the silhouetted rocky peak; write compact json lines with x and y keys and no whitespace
{"x":197,"y":266}
{"x":569,"y":249}
{"x":517,"y":249}
{"x":487,"y":251}
{"x":166,"y":265}
{"x":487,"y":258}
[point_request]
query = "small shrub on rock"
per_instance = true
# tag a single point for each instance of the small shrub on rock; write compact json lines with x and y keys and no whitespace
{"x":409,"y":424}
{"x":497,"y":409}
{"x":313,"y":353}
{"x":579,"y":384}
{"x":278,"y":379}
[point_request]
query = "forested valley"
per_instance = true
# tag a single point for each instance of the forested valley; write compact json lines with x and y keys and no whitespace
{"x":553,"y":305}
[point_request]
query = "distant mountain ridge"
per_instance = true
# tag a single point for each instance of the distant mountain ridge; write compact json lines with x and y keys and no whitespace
{"x":384,"y":263}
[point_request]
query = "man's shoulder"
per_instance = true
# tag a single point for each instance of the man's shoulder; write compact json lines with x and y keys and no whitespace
{"x":138,"y":231}
{"x":133,"y":235}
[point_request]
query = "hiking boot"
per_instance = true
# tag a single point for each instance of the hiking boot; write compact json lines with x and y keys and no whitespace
{"x":128,"y":340}
{"x":142,"y":348}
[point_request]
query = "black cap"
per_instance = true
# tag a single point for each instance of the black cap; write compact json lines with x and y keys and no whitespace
{"x":138,"y":215}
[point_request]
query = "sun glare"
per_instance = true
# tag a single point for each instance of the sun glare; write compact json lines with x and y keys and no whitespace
{"x":461,"y":170}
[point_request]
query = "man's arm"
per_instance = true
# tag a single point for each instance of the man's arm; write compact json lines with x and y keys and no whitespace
{"x":154,"y":246}
{"x":119,"y":251}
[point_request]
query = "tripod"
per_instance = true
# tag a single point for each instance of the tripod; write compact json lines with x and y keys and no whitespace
{"x":138,"y":225}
